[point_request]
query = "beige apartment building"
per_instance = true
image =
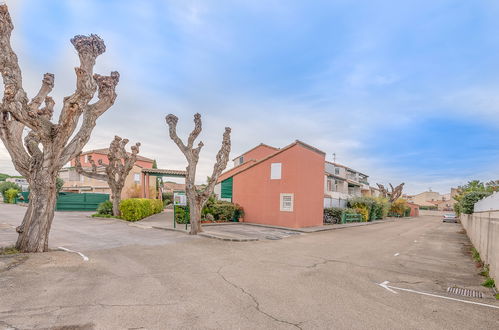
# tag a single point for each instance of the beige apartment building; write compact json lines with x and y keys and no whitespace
{"x":77,"y":183}
{"x":342,"y":182}
{"x":443,"y":202}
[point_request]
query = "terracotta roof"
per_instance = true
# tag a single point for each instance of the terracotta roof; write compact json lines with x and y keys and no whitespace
{"x":104,"y":151}
{"x":297,"y":142}
{"x":260,"y":145}
{"x":164,"y":171}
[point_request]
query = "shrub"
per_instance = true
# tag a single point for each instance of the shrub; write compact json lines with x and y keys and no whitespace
{"x":332,"y":214}
{"x":376,"y":208}
{"x":364,"y":212}
{"x":134,"y":209}
{"x":105,"y":208}
{"x":468,"y":200}
{"x":223,"y":210}
{"x":181,"y":215}
{"x":10,"y":195}
{"x":167,"y":198}
{"x":398,"y":207}
{"x":489,"y":282}
{"x":238,"y":213}
{"x":4,"y":186}
{"x":209,"y":217}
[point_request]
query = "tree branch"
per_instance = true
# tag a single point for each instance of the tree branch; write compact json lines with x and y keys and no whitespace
{"x":107,"y":95}
{"x":92,"y":174}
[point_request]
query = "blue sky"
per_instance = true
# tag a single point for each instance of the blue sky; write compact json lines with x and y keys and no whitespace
{"x":400,"y":90}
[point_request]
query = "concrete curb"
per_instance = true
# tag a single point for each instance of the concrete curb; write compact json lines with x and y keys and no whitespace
{"x":228,"y":239}
{"x":171,"y":229}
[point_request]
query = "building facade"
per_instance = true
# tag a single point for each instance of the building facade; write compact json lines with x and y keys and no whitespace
{"x":134,"y":182}
{"x":290,"y":186}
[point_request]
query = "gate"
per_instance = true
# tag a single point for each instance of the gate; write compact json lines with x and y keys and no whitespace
{"x":79,"y":202}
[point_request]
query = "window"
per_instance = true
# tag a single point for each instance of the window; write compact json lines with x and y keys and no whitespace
{"x":287,"y":202}
{"x":240,"y":160}
{"x":337,"y":170}
{"x":275,"y":171}
{"x":136,"y":178}
{"x":86,"y":159}
{"x":329,"y":185}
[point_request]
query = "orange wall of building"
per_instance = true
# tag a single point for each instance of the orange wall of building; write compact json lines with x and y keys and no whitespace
{"x":104,"y":159}
{"x":302,"y":174}
{"x":258,"y":153}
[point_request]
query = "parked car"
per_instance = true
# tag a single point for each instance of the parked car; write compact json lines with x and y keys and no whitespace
{"x":450,"y":218}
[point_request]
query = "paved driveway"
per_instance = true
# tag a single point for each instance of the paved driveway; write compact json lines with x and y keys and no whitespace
{"x":326,"y":280}
{"x":77,"y":231}
{"x":251,"y":231}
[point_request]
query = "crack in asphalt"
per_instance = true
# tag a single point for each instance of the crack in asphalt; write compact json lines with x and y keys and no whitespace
{"x":256,"y":302}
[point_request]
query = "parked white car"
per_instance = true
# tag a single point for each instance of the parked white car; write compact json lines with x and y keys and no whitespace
{"x":451,"y":217}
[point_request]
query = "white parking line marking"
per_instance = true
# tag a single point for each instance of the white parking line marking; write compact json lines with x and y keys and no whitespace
{"x":389,"y":288}
{"x":85,"y":258}
{"x":396,"y":254}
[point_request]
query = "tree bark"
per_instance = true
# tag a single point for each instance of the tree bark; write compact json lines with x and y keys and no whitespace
{"x":35,"y":228}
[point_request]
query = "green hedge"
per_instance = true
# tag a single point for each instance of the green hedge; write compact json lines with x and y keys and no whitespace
{"x":134,"y":209}
{"x":370,"y":207}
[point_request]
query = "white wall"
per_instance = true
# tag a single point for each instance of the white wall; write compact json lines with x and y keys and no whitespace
{"x":490,"y":203}
{"x":483,"y":230}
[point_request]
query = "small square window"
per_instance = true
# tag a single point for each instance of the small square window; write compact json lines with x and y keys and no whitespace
{"x":287,"y":202}
{"x":337,"y":170}
{"x":275,"y":171}
{"x":241,"y":160}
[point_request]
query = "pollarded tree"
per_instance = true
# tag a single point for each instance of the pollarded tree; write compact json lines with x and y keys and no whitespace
{"x":120,"y":163}
{"x":48,"y":145}
{"x":392,"y":195}
{"x":197,"y":198}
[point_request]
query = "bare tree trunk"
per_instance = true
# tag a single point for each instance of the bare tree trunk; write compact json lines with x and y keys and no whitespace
{"x":35,"y":228}
{"x":116,"y":198}
{"x":195,"y":215}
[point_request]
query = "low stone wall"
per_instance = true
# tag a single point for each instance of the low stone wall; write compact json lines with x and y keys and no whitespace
{"x":433,"y":213}
{"x":483,"y":230}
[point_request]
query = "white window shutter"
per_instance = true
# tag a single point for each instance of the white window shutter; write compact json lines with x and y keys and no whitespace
{"x":275,"y":171}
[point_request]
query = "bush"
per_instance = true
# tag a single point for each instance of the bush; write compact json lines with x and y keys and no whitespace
{"x":167,"y":198}
{"x":332,"y":214}
{"x":134,"y":209}
{"x":10,"y":195}
{"x":467,"y":202}
{"x":4,"y":186}
{"x":369,"y":207}
{"x":398,"y":207}
{"x":181,"y":215}
{"x":223,"y":210}
{"x":105,"y":208}
{"x":364,"y":212}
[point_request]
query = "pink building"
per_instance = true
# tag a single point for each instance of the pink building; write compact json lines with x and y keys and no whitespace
{"x":281,"y":187}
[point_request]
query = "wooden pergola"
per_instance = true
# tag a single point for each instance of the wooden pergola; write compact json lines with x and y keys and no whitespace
{"x":158,"y":172}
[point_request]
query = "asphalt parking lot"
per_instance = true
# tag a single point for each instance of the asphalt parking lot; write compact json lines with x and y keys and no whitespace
{"x":393,"y":275}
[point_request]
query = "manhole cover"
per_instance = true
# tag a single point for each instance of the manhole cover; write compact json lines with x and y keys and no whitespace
{"x":465,"y":292}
